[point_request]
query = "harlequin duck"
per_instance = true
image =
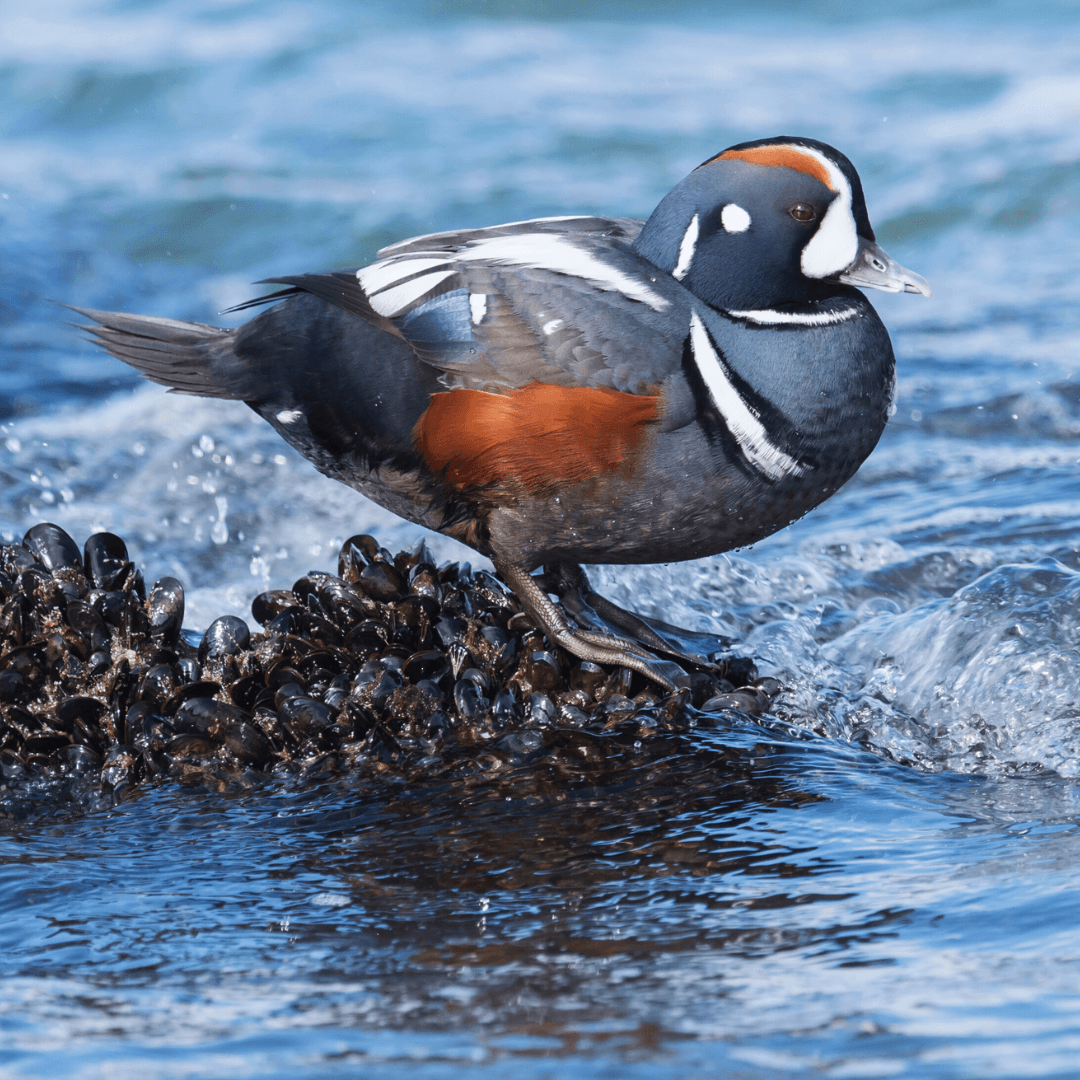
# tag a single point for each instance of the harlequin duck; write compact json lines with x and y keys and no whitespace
{"x":577,"y":389}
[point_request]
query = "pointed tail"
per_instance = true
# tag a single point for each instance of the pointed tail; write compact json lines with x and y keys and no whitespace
{"x":189,"y":358}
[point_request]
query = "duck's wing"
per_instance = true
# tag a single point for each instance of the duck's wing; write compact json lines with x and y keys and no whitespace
{"x":565,"y":302}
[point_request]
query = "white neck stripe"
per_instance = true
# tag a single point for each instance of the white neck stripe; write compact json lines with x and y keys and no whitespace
{"x":686,"y":250}
{"x":769,"y":317}
{"x":741,"y":420}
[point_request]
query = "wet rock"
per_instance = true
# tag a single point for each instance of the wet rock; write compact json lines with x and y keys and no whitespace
{"x":390,"y":667}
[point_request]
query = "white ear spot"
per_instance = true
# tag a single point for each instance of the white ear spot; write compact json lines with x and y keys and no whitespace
{"x":734,"y":218}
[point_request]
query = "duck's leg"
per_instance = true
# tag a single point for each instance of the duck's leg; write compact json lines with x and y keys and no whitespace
{"x":586,"y":645}
{"x":571,"y":584}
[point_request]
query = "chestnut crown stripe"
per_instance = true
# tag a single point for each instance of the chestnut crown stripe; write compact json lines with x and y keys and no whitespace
{"x":801,"y":159}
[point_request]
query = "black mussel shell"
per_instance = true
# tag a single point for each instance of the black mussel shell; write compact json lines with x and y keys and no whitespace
{"x":286,"y":691}
{"x":159,"y":684}
{"x":451,"y":629}
{"x":53,"y":547}
{"x":587,"y":677}
{"x":540,"y":709}
{"x":268,"y":605}
{"x":165,"y":610}
{"x":227,"y":636}
{"x":45,"y":742}
{"x":381,"y":581}
{"x":426,"y":665}
{"x":305,"y":718}
{"x":104,"y":556}
{"x":541,"y":670}
{"x":468,"y":700}
{"x":72,"y":710}
{"x":505,"y":705}
{"x":86,"y":620}
{"x":78,"y":759}
{"x":188,"y":669}
{"x":12,"y":687}
{"x":246,"y":690}
{"x":206,"y":716}
{"x":355,"y":554}
{"x":247,"y":743}
{"x":189,"y":692}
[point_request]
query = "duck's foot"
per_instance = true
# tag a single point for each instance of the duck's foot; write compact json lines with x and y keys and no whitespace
{"x":588,"y":644}
{"x":688,"y":648}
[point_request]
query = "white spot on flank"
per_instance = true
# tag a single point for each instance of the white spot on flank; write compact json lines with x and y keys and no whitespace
{"x":551,"y":327}
{"x":288,"y":416}
{"x":768,"y":317}
{"x":686,"y":250}
{"x":478,"y":307}
{"x":741,"y":420}
{"x":734,"y":218}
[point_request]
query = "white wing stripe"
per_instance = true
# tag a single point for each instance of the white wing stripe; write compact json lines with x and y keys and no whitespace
{"x":391,"y":302}
{"x":546,"y":251}
{"x":382,"y":275}
{"x":740,"y":419}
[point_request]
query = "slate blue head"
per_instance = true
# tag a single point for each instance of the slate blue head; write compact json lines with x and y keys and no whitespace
{"x":768,"y":223}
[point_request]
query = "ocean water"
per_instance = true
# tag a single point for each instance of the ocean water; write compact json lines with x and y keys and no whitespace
{"x":882,"y":879}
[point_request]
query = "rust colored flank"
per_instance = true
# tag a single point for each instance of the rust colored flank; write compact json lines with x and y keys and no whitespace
{"x":791,"y":157}
{"x":541,"y":436}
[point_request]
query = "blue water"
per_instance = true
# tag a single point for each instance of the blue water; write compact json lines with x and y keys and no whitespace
{"x":880,"y":880}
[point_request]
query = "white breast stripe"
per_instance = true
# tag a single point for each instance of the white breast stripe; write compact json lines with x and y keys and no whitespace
{"x":549,"y":251}
{"x":768,"y":317}
{"x":391,"y":302}
{"x":382,"y":275}
{"x":686,"y":250}
{"x":478,"y":307}
{"x":740,"y":419}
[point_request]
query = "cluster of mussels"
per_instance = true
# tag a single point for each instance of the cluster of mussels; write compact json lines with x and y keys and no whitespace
{"x":393,"y":664}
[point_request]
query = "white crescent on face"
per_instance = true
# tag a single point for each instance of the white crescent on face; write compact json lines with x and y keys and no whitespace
{"x":834,"y":246}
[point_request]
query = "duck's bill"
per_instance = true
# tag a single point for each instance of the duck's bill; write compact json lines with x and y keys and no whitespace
{"x":873,"y":269}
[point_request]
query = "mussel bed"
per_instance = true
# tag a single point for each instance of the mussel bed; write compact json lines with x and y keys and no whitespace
{"x":393,"y":668}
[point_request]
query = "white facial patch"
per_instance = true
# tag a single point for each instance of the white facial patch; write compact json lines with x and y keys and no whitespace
{"x":743,"y":423}
{"x":734,"y":218}
{"x":478,"y":307}
{"x":686,"y":250}
{"x":835,"y":244}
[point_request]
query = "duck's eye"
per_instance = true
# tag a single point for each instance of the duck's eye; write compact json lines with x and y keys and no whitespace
{"x":802,"y":212}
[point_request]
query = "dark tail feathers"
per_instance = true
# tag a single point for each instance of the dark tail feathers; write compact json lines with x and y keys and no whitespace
{"x":189,"y":358}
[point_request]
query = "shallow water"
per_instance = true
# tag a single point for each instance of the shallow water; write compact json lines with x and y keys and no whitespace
{"x":881,"y":879}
